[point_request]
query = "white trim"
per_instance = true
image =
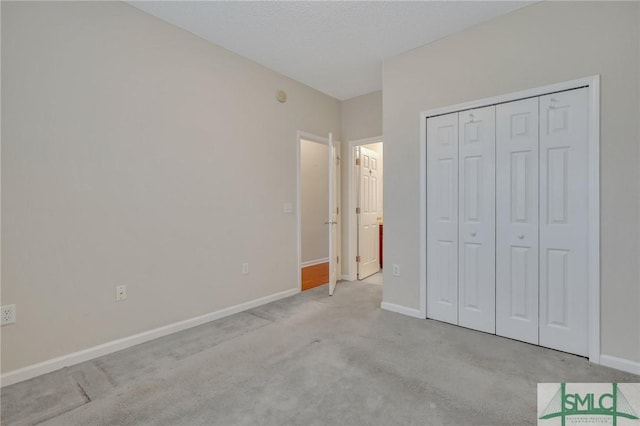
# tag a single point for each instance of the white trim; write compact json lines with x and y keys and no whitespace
{"x":352,"y":270}
{"x":593,"y":84}
{"x":311,"y":137}
{"x":620,"y":364}
{"x":338,"y":177}
{"x":314,"y":262}
{"x":54,"y":364}
{"x":509,"y":97}
{"x":345,"y":277}
{"x":392,"y":307}
{"x":423,"y":216}
{"x":593,"y":221}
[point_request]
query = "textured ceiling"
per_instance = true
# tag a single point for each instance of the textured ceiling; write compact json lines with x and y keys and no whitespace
{"x":335,"y":47}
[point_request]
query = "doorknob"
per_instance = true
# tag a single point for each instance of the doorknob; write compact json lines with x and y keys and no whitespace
{"x":521,"y":236}
{"x":473,"y":234}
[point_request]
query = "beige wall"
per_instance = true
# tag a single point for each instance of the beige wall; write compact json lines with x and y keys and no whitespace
{"x":136,"y":153}
{"x":361,"y":119}
{"x":541,"y":44}
{"x":314,"y":200}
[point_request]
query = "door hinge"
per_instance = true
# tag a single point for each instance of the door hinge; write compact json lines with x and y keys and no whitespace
{"x":357,"y":161}
{"x":337,"y":259}
{"x":357,"y":210}
{"x":357,"y":258}
{"x":337,"y":210}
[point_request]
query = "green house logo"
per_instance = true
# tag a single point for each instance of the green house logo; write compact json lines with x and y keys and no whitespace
{"x":564,"y":404}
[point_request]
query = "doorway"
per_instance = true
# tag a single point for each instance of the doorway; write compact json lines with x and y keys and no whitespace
{"x":318,"y":227}
{"x":365,"y":242}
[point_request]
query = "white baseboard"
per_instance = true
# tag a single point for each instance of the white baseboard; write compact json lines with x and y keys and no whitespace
{"x":620,"y":364}
{"x":54,"y":364}
{"x":314,"y":262}
{"x":401,"y":310}
{"x":345,"y":277}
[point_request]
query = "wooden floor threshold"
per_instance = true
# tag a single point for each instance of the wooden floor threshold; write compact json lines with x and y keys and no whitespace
{"x":315,"y":275}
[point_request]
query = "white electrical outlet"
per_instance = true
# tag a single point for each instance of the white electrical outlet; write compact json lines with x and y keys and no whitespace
{"x":121,"y":293}
{"x":8,"y":314}
{"x":245,"y":268}
{"x":396,"y":270}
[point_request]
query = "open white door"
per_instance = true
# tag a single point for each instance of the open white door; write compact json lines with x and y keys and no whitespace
{"x":368,"y":234}
{"x":333,"y":217}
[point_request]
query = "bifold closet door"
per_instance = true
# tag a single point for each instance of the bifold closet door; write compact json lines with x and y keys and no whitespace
{"x":476,"y":217}
{"x":442,"y":218}
{"x":507,"y":219}
{"x":517,"y":220}
{"x":564,"y":221}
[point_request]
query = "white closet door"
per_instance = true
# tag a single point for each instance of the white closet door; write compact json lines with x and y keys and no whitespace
{"x":442,"y":218}
{"x":476,"y":201}
{"x":517,"y":220}
{"x":563,"y":221}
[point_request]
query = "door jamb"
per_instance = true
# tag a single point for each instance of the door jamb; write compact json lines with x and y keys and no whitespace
{"x":593,"y":286}
{"x":352,"y":271}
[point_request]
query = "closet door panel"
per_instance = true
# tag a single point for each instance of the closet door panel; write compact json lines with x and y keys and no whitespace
{"x":563,"y":221}
{"x":476,"y":239}
{"x":517,"y":220}
{"x":442,"y":218}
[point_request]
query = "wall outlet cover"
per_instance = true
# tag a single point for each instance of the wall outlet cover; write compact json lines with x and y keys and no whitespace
{"x":121,"y":293}
{"x":8,"y":314}
{"x":396,"y":270}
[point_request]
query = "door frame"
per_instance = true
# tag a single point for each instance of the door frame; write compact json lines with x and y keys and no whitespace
{"x":593,"y":285}
{"x":302,"y":135}
{"x":352,"y":266}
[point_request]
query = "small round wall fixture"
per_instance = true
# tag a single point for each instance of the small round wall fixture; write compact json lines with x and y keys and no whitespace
{"x":281,"y":96}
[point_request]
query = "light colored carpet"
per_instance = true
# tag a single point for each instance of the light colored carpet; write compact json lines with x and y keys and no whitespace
{"x":374,"y":279}
{"x":307,"y":360}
